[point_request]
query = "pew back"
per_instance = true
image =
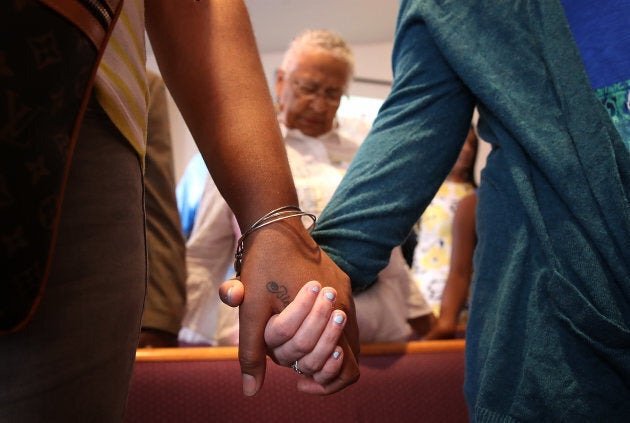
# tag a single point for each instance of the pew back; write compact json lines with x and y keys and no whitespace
{"x":412,"y":382}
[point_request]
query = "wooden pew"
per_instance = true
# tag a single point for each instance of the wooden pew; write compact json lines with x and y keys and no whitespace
{"x":409,"y":382}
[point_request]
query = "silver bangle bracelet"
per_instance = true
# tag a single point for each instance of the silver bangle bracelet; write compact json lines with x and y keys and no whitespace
{"x":276,"y":215}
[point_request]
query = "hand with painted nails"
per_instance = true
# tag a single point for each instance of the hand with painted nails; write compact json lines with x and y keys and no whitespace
{"x":304,"y":336}
{"x":275,"y":317}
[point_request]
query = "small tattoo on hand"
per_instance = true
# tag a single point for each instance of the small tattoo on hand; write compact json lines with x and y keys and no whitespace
{"x":281,"y":292}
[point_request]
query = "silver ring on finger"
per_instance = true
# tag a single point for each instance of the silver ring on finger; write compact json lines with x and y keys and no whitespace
{"x":295,"y":367}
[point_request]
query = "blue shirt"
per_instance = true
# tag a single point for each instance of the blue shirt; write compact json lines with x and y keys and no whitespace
{"x":601,"y":34}
{"x":189,"y":191}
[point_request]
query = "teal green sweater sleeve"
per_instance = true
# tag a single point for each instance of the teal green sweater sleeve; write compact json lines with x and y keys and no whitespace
{"x":414,"y":142}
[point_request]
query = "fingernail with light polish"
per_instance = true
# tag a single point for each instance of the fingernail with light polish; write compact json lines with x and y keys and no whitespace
{"x":330,"y":296}
{"x":336,"y":355}
{"x":338,"y":319}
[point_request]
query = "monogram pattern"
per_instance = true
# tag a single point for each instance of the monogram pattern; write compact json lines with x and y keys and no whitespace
{"x":45,"y":67}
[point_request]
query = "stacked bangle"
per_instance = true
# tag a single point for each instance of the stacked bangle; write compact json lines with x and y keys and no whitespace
{"x":273,"y":216}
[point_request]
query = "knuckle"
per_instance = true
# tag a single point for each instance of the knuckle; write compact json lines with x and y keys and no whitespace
{"x":310,"y":367}
{"x":302,"y":347}
{"x":248,"y":360}
{"x":284,"y":331}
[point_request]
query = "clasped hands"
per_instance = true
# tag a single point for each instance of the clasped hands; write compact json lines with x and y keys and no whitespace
{"x":308,"y":326}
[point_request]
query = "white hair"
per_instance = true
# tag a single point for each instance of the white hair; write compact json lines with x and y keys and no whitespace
{"x":318,"y":39}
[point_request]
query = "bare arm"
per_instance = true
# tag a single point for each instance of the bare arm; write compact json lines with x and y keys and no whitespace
{"x":208,"y":57}
{"x":461,"y":269}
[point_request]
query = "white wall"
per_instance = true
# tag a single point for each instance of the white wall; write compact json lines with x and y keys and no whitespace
{"x":372,"y":63}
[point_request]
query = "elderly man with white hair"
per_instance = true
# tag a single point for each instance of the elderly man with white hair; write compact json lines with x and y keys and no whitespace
{"x":315,"y":73}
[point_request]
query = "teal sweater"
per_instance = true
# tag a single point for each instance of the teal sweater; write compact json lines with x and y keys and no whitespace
{"x":548,"y":336}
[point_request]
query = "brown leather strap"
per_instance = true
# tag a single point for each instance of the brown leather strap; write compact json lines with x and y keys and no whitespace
{"x":85,"y":19}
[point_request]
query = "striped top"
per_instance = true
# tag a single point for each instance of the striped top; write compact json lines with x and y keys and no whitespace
{"x":121,"y":85}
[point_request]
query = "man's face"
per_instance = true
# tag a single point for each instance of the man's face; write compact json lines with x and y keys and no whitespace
{"x":309,"y":93}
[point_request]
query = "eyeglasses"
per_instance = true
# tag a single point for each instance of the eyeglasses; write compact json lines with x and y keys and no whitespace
{"x":309,"y":91}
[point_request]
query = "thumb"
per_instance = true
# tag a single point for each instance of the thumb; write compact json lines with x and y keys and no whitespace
{"x":232,"y":292}
{"x":251,"y":351}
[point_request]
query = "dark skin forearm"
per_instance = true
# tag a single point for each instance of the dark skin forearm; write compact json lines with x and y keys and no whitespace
{"x":208,"y":58}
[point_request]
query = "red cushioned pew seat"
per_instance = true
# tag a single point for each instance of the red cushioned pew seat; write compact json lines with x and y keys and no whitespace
{"x":412,"y":382}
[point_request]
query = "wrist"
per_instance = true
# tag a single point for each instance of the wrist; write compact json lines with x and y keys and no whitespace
{"x":286,"y":216}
